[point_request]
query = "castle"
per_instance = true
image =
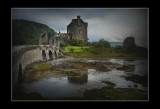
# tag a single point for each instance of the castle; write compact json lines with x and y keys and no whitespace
{"x":76,"y":29}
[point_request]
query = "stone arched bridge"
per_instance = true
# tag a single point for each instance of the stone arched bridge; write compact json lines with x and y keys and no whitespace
{"x":27,"y":54}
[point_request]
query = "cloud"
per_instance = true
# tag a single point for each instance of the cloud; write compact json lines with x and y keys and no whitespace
{"x":119,"y":24}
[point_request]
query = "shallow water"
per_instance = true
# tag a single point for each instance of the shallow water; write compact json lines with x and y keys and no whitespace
{"x":63,"y":85}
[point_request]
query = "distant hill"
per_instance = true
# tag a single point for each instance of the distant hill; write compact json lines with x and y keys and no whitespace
{"x":26,"y":32}
{"x":116,"y":44}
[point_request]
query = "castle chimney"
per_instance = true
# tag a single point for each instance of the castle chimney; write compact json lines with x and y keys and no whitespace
{"x":78,"y":20}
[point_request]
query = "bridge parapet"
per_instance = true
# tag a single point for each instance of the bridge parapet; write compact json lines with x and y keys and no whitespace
{"x":23,"y":47}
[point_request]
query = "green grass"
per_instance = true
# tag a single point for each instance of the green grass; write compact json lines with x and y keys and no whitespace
{"x":77,"y":48}
{"x":102,"y":52}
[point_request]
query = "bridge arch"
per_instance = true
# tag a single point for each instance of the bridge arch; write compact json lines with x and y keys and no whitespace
{"x":55,"y":53}
{"x":50,"y":55}
{"x":44,"y":55}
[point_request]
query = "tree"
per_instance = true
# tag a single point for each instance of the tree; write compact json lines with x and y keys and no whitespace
{"x":77,"y":42}
{"x":27,"y":32}
{"x":62,"y":44}
{"x":101,"y":43}
{"x":74,"y":42}
{"x":117,"y":47}
{"x":84,"y":42}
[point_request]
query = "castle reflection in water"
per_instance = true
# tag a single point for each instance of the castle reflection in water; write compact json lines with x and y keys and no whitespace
{"x":78,"y":78}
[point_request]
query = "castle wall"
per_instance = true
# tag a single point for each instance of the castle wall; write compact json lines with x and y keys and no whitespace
{"x":61,"y":38}
{"x":78,"y":29}
{"x":78,"y":32}
{"x":44,"y":39}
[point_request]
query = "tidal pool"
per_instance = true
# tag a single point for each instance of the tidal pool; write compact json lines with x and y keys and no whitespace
{"x":59,"y":84}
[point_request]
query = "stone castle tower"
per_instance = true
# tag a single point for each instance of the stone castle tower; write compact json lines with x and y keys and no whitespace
{"x":78,"y":29}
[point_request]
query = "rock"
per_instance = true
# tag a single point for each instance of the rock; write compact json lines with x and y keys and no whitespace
{"x":109,"y":83}
{"x":127,"y":68}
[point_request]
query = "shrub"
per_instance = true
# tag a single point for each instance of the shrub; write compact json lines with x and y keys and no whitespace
{"x":44,"y":43}
{"x":101,"y":43}
{"x":94,"y":50}
{"x":62,"y":44}
{"x":117,"y":47}
{"x":77,"y":42}
{"x":86,"y":49}
{"x":59,"y":53}
{"x":71,"y":49}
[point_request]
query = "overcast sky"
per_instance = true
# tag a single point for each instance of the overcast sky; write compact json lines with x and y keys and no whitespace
{"x":112,"y":24}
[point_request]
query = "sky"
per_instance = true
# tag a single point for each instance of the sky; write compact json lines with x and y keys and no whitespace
{"x":111,"y":24}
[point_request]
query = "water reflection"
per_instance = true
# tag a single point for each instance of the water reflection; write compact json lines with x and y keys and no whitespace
{"x":78,"y":77}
